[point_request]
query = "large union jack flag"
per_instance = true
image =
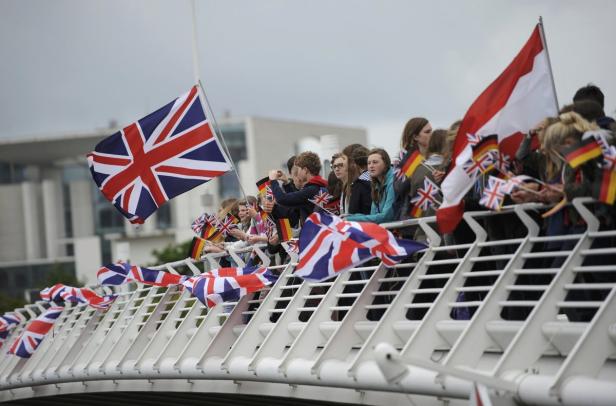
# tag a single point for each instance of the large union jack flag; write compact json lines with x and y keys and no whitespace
{"x":229,"y":284}
{"x":60,"y":293}
{"x":27,"y":343}
{"x":164,"y":154}
{"x":329,"y":245}
{"x":122,"y":272}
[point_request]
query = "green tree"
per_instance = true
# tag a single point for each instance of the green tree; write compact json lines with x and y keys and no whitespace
{"x":171,"y":253}
{"x":58,"y":274}
{"x":9,"y":303}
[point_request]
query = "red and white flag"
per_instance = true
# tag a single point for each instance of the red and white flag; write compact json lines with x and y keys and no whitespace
{"x":512,"y":105}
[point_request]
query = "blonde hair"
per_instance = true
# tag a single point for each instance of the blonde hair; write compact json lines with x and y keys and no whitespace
{"x":569,"y":125}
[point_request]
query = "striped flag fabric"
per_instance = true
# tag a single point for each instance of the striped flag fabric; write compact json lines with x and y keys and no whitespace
{"x":228,"y":284}
{"x":494,"y":195}
{"x":34,"y":333}
{"x":60,"y":293}
{"x":486,"y":145}
{"x":157,"y":158}
{"x":329,"y":245}
{"x":409,"y":163}
{"x":605,"y":186}
{"x":583,"y":152}
{"x":519,"y":98}
{"x":123,"y":272}
{"x":195,"y":250}
{"x":263,"y":184}
{"x":285,"y":233}
{"x":426,"y":198}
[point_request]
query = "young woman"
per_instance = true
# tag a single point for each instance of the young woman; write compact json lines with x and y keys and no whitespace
{"x":340,"y":169}
{"x":382,"y":183}
{"x":416,"y":135}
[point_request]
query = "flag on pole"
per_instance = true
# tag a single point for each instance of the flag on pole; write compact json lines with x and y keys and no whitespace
{"x":583,"y":152}
{"x":425,"y":199}
{"x":284,"y":229}
{"x":25,"y":345}
{"x":196,"y":248}
{"x":486,"y":145}
{"x":121,"y":273}
{"x":263,"y":184}
{"x":605,"y":186}
{"x":157,"y":158}
{"x":512,"y":105}
{"x":493,"y":195}
{"x":409,"y":163}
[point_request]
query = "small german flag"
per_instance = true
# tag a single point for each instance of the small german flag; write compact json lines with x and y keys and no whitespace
{"x":488,"y":143}
{"x":262,"y":184}
{"x":207,"y":230}
{"x":196,"y":248}
{"x":583,"y":152}
{"x":416,"y":211}
{"x":284,"y":229}
{"x":605,"y":188}
{"x":410,"y":163}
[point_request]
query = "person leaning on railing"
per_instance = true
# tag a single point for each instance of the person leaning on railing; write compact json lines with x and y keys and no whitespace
{"x":382,"y":183}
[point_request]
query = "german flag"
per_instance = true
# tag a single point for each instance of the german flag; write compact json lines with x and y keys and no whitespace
{"x":410,"y":163}
{"x":262,"y":184}
{"x":207,"y":230}
{"x":196,"y":248}
{"x":284,"y":229}
{"x":605,"y":188}
{"x":416,"y":211}
{"x":487,"y":144}
{"x":583,"y":152}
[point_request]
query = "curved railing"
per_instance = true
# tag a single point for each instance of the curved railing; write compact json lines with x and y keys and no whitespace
{"x":530,"y":317}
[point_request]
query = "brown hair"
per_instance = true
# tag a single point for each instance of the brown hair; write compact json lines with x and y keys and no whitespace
{"x":437,"y":143}
{"x":228,"y":206}
{"x":310,"y":161}
{"x":377,"y":184}
{"x":411,"y":129}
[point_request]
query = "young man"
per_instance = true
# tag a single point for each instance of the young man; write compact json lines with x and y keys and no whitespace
{"x":306,"y":169}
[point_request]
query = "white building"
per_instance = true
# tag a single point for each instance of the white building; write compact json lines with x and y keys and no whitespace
{"x":52,"y":214}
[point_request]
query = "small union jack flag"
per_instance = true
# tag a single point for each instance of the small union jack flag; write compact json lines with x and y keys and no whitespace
{"x":164,"y":154}
{"x":60,"y":293}
{"x":35,"y":332}
{"x":322,"y":198}
{"x":609,"y":158}
{"x":474,"y":168}
{"x":514,"y":182}
{"x":199,"y":222}
{"x":228,"y":284}
{"x":426,"y":196}
{"x":493,"y":195}
{"x":502,"y":162}
{"x":227,"y":224}
{"x":121,"y":273}
{"x":473,"y":139}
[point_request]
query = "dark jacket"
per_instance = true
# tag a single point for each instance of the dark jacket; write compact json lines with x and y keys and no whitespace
{"x":383,"y":211}
{"x":300,"y":199}
{"x":360,"y":200}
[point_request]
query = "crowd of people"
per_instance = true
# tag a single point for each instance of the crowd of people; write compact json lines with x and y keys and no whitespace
{"x":369,"y":185}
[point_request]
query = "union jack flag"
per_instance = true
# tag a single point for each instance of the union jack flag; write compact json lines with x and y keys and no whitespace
{"x":228,"y":284}
{"x":227,"y":224}
{"x":426,"y":196}
{"x":329,"y":245}
{"x":493,"y":194}
{"x":121,"y":273}
{"x":514,"y":182}
{"x":8,"y":321}
{"x":60,"y":293}
{"x":35,"y":332}
{"x":474,"y":168}
{"x":473,"y":139}
{"x":322,"y":198}
{"x":609,"y":158}
{"x":164,"y":154}
{"x":502,"y":162}
{"x":199,"y":222}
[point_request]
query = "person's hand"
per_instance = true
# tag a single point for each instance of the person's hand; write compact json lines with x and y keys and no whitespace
{"x":237,"y":233}
{"x":268,"y":206}
{"x":274,"y":174}
{"x":274,"y":240}
{"x":252,"y":212}
{"x":552,"y":193}
{"x":438,"y":176}
{"x":525,"y":195}
{"x":283,"y":177}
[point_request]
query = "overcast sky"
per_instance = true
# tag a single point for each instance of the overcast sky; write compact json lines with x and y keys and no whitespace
{"x":72,"y":66}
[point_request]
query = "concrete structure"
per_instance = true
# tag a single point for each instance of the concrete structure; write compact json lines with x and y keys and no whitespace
{"x":52,"y":214}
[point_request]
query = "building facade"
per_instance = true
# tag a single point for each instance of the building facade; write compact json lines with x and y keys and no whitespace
{"x":53,"y":217}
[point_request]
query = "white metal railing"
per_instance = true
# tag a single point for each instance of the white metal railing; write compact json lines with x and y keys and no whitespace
{"x":494,"y":311}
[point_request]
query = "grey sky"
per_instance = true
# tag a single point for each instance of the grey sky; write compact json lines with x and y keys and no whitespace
{"x":70,"y":66}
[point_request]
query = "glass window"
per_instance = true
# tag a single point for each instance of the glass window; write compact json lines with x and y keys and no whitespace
{"x":163,"y":216}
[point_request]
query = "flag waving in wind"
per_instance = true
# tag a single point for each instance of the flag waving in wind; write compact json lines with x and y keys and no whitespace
{"x":513,"y":104}
{"x":162,"y":155}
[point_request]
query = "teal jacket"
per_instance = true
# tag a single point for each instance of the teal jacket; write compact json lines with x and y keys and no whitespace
{"x":384,"y":210}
